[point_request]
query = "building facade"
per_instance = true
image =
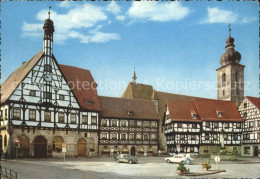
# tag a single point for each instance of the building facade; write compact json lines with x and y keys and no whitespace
{"x":41,"y":107}
{"x":203,"y":126}
{"x":128,"y":126}
{"x":250,"y":112}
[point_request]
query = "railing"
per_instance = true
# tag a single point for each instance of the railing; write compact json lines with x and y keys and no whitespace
{"x":7,"y":173}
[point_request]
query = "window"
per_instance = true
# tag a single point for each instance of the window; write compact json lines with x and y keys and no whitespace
{"x":114,"y":123}
{"x":236,"y":76}
{"x":238,"y":125}
{"x":123,"y":136}
{"x":245,"y":105}
{"x":193,"y":137}
{"x":251,"y":124}
{"x":123,"y":123}
{"x":104,"y":135}
{"x":258,"y":123}
{"x":47,"y":68}
{"x":32,"y":115}
{"x":246,"y":136}
{"x":47,"y":95}
{"x":194,"y":116}
{"x":182,"y":137}
{"x":215,"y":136}
{"x":84,"y":119}
{"x":5,"y":141}
{"x":207,"y":124}
{"x":191,"y":149}
{"x":245,"y":114}
{"x":258,"y":135}
{"x":61,"y":97}
{"x":104,"y":123}
{"x":181,"y":149}
{"x":226,"y":125}
{"x":206,"y":149}
{"x":6,"y":113}
{"x":216,"y":125}
{"x":153,"y":136}
{"x":138,"y":136}
{"x":47,"y":116}
{"x":2,"y":116}
{"x":57,"y":144}
{"x":139,"y":124}
{"x":130,"y":113}
{"x":17,"y":113}
{"x":154,"y":125}
{"x":146,"y":124}
{"x":73,"y":118}
{"x":32,"y":93}
{"x":223,"y":92}
{"x":114,"y":136}
{"x":225,"y":136}
{"x":61,"y":117}
{"x":89,"y":103}
{"x":235,"y":137}
{"x":132,"y":123}
{"x":206,"y":136}
{"x":247,"y":150}
{"x":219,"y":113}
{"x":194,"y":126}
{"x":131,"y":136}
{"x":146,"y":137}
{"x":223,"y":78}
{"x":179,"y":125}
{"x":94,"y":120}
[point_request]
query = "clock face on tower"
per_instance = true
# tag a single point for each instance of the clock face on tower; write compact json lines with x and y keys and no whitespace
{"x":48,"y":77}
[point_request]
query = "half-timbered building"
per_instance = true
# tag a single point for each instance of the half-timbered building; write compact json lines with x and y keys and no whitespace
{"x":250,"y":112}
{"x":203,"y":126}
{"x":128,"y":126}
{"x":45,"y":104}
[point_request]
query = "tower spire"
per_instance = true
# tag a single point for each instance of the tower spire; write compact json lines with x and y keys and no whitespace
{"x":134,"y":77}
{"x":49,"y":12}
{"x":229,"y":29}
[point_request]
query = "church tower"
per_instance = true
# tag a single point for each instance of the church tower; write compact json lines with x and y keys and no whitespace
{"x":230,"y":76}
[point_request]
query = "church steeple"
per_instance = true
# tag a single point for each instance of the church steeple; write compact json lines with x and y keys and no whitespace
{"x":230,"y":75}
{"x":48,"y":35}
{"x":134,"y":77}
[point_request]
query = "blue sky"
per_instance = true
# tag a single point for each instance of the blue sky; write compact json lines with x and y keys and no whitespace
{"x":174,"y":46}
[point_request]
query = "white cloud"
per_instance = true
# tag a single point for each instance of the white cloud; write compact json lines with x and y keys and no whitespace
{"x":157,"y":11}
{"x":216,"y":15}
{"x":113,"y":7}
{"x":74,"y":24}
{"x":66,"y":4}
{"x":120,"y":18}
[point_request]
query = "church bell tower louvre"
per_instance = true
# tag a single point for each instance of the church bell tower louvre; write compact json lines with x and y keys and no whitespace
{"x":230,"y":76}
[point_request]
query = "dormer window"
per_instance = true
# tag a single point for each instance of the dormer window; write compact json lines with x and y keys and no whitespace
{"x":89,"y":103}
{"x":47,"y":68}
{"x":219,"y":114}
{"x":194,"y":115}
{"x":130,"y":113}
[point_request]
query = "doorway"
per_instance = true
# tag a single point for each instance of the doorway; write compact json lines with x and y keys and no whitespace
{"x":133,"y":151}
{"x":256,"y":151}
{"x":82,"y":147}
{"x":40,"y":147}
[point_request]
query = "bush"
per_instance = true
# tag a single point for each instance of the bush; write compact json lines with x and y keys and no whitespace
{"x":206,"y":165}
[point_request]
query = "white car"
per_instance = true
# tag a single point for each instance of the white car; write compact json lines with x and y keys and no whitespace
{"x":177,"y":158}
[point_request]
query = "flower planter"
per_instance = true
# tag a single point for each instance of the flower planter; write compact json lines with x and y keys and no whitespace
{"x":181,"y":172}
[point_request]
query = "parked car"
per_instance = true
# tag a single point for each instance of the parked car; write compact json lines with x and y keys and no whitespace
{"x":177,"y":158}
{"x":126,"y":158}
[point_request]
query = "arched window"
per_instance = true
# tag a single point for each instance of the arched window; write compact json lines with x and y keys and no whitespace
{"x":236,"y":76}
{"x":5,"y":141}
{"x":223,"y":78}
{"x":125,"y":150}
{"x":57,"y":144}
{"x":223,"y":92}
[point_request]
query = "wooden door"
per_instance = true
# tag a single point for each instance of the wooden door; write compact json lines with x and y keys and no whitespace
{"x":40,"y":147}
{"x":82,"y":148}
{"x":133,"y":151}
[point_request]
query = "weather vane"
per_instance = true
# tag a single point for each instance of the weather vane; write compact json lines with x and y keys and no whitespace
{"x":49,"y":12}
{"x":229,"y":25}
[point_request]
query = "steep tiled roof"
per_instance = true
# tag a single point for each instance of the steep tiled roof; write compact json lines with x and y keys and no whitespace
{"x":182,"y":111}
{"x":138,"y":91}
{"x":207,"y":109}
{"x":254,"y":100}
{"x":12,"y":82}
{"x":119,"y":107}
{"x":83,"y":86}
